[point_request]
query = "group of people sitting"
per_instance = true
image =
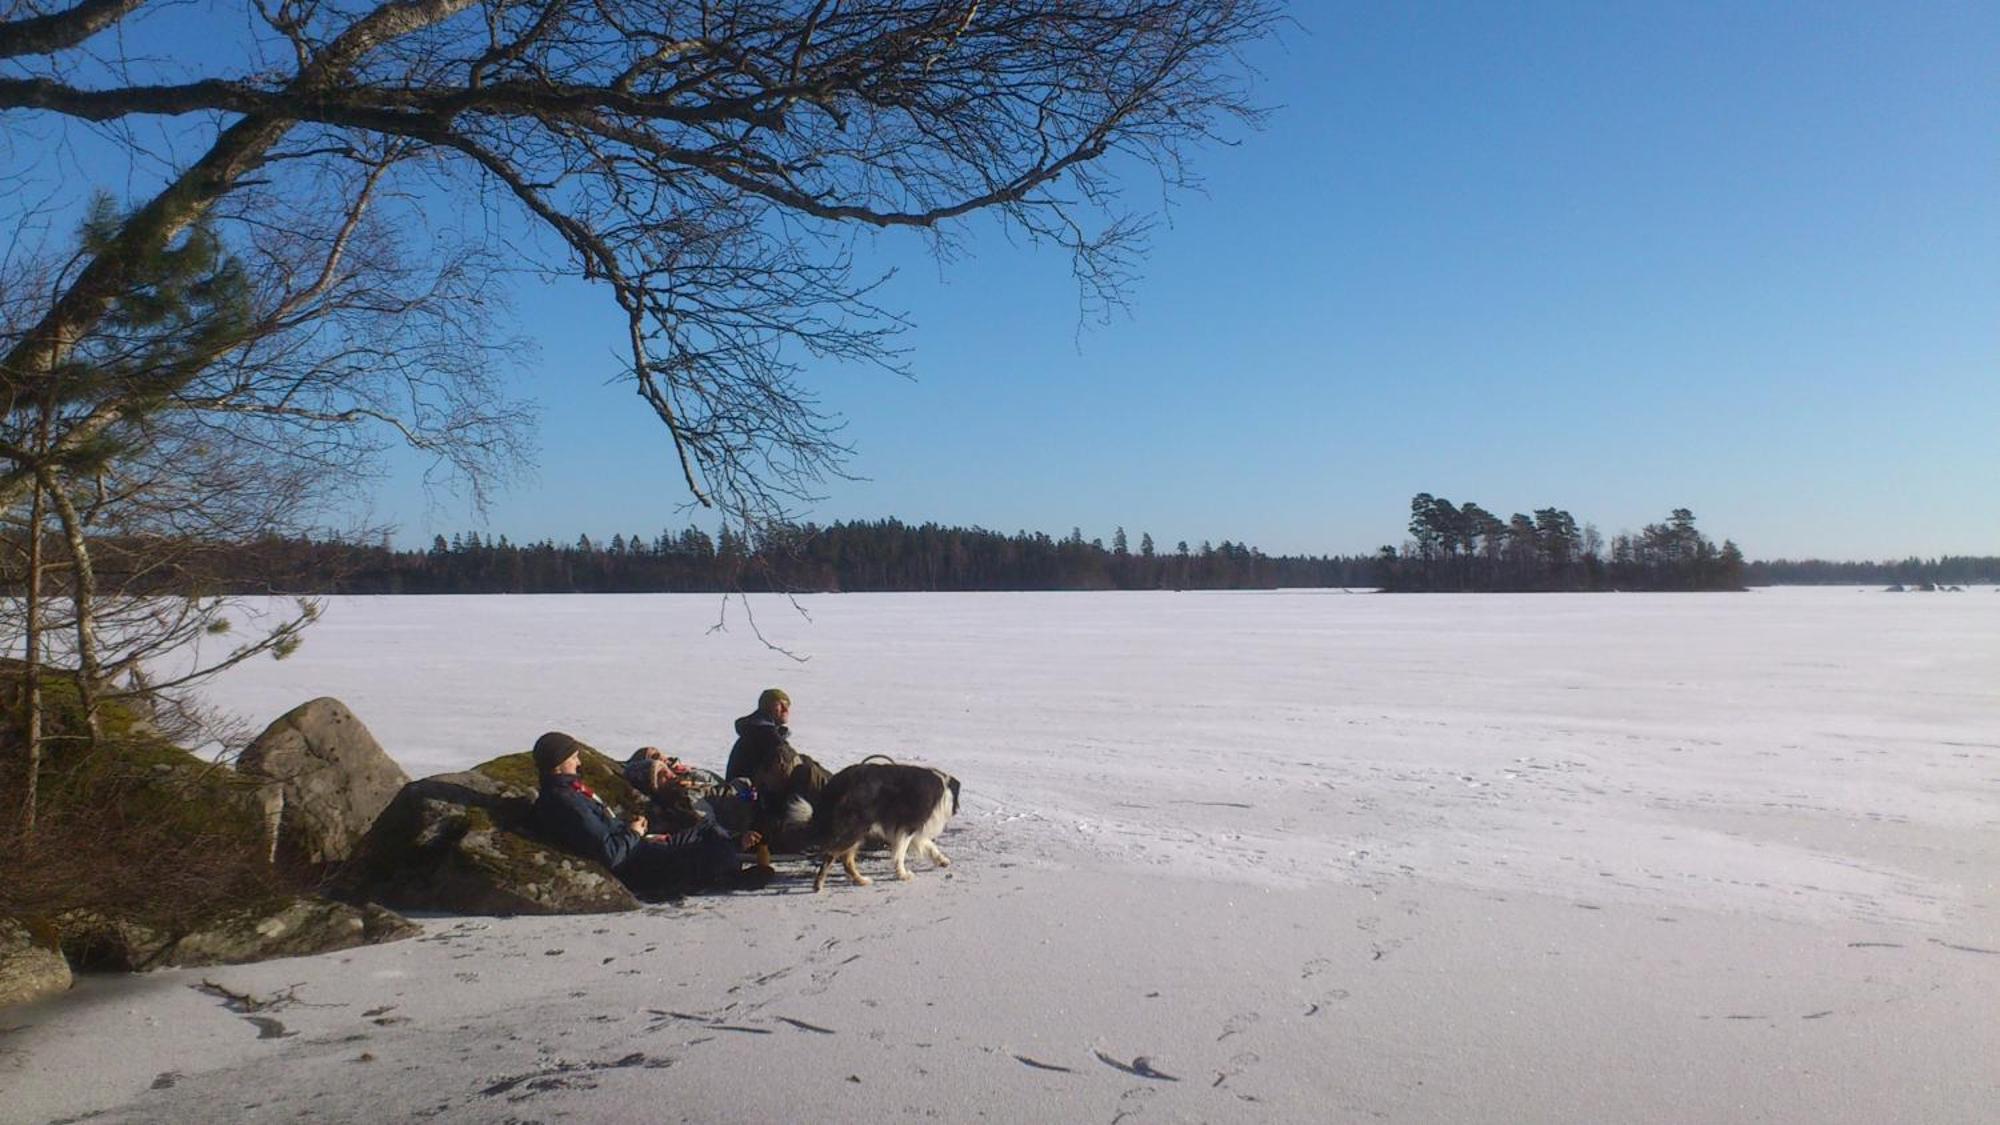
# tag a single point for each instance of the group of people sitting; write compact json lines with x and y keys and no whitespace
{"x":699,"y":825}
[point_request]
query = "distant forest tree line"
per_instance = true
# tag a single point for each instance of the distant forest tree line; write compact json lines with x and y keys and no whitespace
{"x":1945,"y":570}
{"x":879,"y":555}
{"x":1453,"y":548}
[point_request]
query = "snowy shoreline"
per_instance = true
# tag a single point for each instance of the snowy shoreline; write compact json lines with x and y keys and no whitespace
{"x":1223,"y":857}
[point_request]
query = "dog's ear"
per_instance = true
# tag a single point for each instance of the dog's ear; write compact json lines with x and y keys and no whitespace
{"x":952,"y":783}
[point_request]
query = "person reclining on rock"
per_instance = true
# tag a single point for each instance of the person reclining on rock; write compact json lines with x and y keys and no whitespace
{"x":652,"y":770}
{"x":702,"y":857}
{"x":682,"y":796}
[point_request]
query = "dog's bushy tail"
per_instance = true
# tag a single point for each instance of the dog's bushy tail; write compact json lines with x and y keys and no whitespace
{"x":809,"y":823}
{"x":798,"y":812}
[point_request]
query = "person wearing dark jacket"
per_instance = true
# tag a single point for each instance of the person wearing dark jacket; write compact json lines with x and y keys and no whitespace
{"x":763,"y":755}
{"x":704,"y":856}
{"x":763,"y":752}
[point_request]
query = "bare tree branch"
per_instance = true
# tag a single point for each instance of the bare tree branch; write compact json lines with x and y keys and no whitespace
{"x":57,"y":31}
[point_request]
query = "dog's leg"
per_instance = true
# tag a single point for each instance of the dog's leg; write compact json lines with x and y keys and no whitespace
{"x":931,"y":851}
{"x":763,"y":854}
{"x":900,"y":853}
{"x":853,"y":872}
{"x":819,"y":880}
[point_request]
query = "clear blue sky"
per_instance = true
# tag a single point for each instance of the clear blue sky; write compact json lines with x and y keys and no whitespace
{"x":1740,"y":259}
{"x":1618,"y":259}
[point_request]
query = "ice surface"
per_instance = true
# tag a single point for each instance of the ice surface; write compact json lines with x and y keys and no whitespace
{"x":1301,"y":855}
{"x":1684,"y":748}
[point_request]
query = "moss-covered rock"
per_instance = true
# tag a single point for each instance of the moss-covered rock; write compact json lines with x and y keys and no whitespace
{"x":208,"y":800}
{"x":140,"y":830}
{"x":605,"y":777}
{"x":292,"y":926}
{"x":467,"y":843}
{"x":145,"y":855}
{"x":302,"y":926}
{"x":130,"y":778}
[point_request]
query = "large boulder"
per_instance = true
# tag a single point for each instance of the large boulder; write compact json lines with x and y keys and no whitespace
{"x":31,"y":966}
{"x":290,"y":927}
{"x":336,"y":779}
{"x":466,"y":843}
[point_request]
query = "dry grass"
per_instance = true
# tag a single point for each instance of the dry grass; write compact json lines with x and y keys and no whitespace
{"x":135,"y":828}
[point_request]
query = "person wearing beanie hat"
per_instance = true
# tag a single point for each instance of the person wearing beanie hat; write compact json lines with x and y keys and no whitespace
{"x":763,"y":756}
{"x":763,"y":752}
{"x":680,"y":795}
{"x":704,"y":856}
{"x":552,"y":750}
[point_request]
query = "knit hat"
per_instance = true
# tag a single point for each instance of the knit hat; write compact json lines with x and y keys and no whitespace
{"x":771,"y":697}
{"x":553,"y":749}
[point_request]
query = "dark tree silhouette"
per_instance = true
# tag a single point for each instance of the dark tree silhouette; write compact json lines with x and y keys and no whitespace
{"x":703,"y":163}
{"x":1468,"y":548}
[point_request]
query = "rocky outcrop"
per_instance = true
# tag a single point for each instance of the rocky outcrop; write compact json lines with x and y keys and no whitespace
{"x":293,"y":927}
{"x":31,"y":966}
{"x":334,"y":777}
{"x":97,"y":942}
{"x":466,"y":843}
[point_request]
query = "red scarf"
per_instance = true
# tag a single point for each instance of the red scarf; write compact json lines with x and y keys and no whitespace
{"x":577,"y":784}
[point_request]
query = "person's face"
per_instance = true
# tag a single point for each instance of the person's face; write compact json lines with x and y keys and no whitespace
{"x":781,"y":710}
{"x":571,"y":764}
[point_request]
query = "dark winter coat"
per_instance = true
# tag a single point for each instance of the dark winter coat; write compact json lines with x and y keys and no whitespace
{"x":575,"y":818}
{"x":763,"y":753}
{"x":652,"y":866}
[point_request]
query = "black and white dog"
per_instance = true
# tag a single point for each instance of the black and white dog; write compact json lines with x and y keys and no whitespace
{"x":902,"y":804}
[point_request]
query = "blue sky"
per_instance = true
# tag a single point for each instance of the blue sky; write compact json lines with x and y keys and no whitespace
{"x":1618,"y":259}
{"x":1613,"y":259}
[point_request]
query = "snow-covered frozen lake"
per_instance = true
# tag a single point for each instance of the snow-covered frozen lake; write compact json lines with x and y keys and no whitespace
{"x":1271,"y":856}
{"x":1729,"y":749}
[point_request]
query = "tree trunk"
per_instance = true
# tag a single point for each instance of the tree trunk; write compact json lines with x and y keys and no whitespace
{"x":31,"y":673}
{"x":84,"y":596}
